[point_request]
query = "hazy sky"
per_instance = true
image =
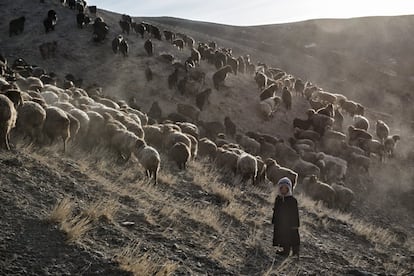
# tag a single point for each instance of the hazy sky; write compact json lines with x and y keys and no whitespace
{"x":256,"y":12}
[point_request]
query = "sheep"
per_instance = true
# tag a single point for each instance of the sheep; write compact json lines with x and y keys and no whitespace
{"x":307,"y":134}
{"x":389,"y":145}
{"x":335,"y":168}
{"x":269,"y":106}
{"x":189,"y":111}
{"x":325,"y":97}
{"x":351,"y":107}
{"x":284,"y":154}
{"x":328,"y":110}
{"x":56,"y":124}
{"x":302,"y":124}
{"x":359,"y":161}
{"x":207,"y":148}
{"x":230,"y":126}
{"x":171,"y":137}
{"x":124,"y":48}
{"x":261,"y":80}
{"x":153,"y":136}
{"x":299,"y":87}
{"x":83,"y":119}
{"x":179,"y":43}
{"x":139,"y":29}
{"x":169,"y":36}
{"x":149,"y":47}
{"x":355,"y":134}
{"x":226,"y":160}
{"x":30,"y":119}
{"x":343,"y":196}
{"x":180,"y":153}
{"x":332,"y":142}
{"x":304,"y":168}
{"x":301,"y":144}
{"x":361,"y":122}
{"x":250,"y":145}
{"x":8,"y":117}
{"x":50,"y":21}
{"x":220,"y":75}
{"x":247,"y":167}
{"x":124,"y":142}
{"x":82,"y":20}
{"x":234,"y":64}
{"x":202,"y":98}
{"x":15,"y":96}
{"x":155,"y":111}
{"x":16,"y":26}
{"x":189,"y":41}
{"x":149,"y":158}
{"x":115,"y":43}
{"x":320,"y":122}
{"x":189,"y":128}
{"x":372,"y":146}
{"x":125,"y":26}
{"x":100,"y":29}
{"x":287,"y":98}
{"x":212,"y":128}
{"x":268,"y":92}
{"x":274,"y":172}
{"x":382,"y":130}
{"x":319,"y":191}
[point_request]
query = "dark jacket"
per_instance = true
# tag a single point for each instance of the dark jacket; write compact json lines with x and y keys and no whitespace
{"x":286,"y":221}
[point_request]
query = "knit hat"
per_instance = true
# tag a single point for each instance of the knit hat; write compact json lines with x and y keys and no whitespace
{"x":284,"y":181}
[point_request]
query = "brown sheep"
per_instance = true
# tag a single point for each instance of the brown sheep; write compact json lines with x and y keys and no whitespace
{"x":57,"y":124}
{"x":207,"y":148}
{"x":287,"y":98}
{"x":319,"y":191}
{"x":202,"y":98}
{"x":220,"y":75}
{"x":180,"y":153}
{"x":30,"y":119}
{"x":382,"y":130}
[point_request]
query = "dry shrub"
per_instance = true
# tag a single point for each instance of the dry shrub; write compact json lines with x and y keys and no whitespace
{"x":237,"y":211}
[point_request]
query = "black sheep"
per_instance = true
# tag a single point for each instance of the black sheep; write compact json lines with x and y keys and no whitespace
{"x":125,"y":26}
{"x":16,"y":26}
{"x":100,"y":30}
{"x":230,"y":126}
{"x":115,"y":43}
{"x":72,"y":4}
{"x":50,"y":21}
{"x":123,"y":47}
{"x":139,"y":28}
{"x":149,"y":47}
{"x":202,"y":98}
{"x":172,"y":79}
{"x":82,"y":20}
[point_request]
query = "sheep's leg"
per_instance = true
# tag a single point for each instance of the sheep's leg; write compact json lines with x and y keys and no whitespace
{"x":155,"y":177}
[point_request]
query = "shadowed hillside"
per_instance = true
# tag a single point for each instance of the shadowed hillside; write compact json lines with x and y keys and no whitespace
{"x":89,"y":211}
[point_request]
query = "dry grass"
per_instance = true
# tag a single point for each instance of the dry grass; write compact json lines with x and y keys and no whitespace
{"x":143,"y":265}
{"x":61,"y":211}
{"x":208,"y":215}
{"x":237,"y":211}
{"x":102,"y":209}
{"x":375,"y":234}
{"x":76,"y":227}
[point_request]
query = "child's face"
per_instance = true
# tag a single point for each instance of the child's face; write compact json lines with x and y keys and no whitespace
{"x":284,"y":190}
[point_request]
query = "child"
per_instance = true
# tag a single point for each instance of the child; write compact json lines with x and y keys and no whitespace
{"x":286,"y":219}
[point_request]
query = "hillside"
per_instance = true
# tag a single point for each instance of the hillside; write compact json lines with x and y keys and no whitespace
{"x":85,"y":212}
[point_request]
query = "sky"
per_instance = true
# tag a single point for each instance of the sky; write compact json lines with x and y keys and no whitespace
{"x":257,"y":12}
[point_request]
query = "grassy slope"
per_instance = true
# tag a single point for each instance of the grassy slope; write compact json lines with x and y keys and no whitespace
{"x":198,"y":219}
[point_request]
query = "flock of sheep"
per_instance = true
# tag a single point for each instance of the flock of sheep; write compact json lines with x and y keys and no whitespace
{"x":35,"y":105}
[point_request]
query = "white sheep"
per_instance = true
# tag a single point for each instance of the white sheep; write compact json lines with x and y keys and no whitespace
{"x":268,"y":107}
{"x":149,"y":158}
{"x":57,"y":124}
{"x":247,"y":167}
{"x":8,"y":116}
{"x":382,"y":130}
{"x":361,"y":122}
{"x":274,"y":172}
{"x":30,"y":119}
